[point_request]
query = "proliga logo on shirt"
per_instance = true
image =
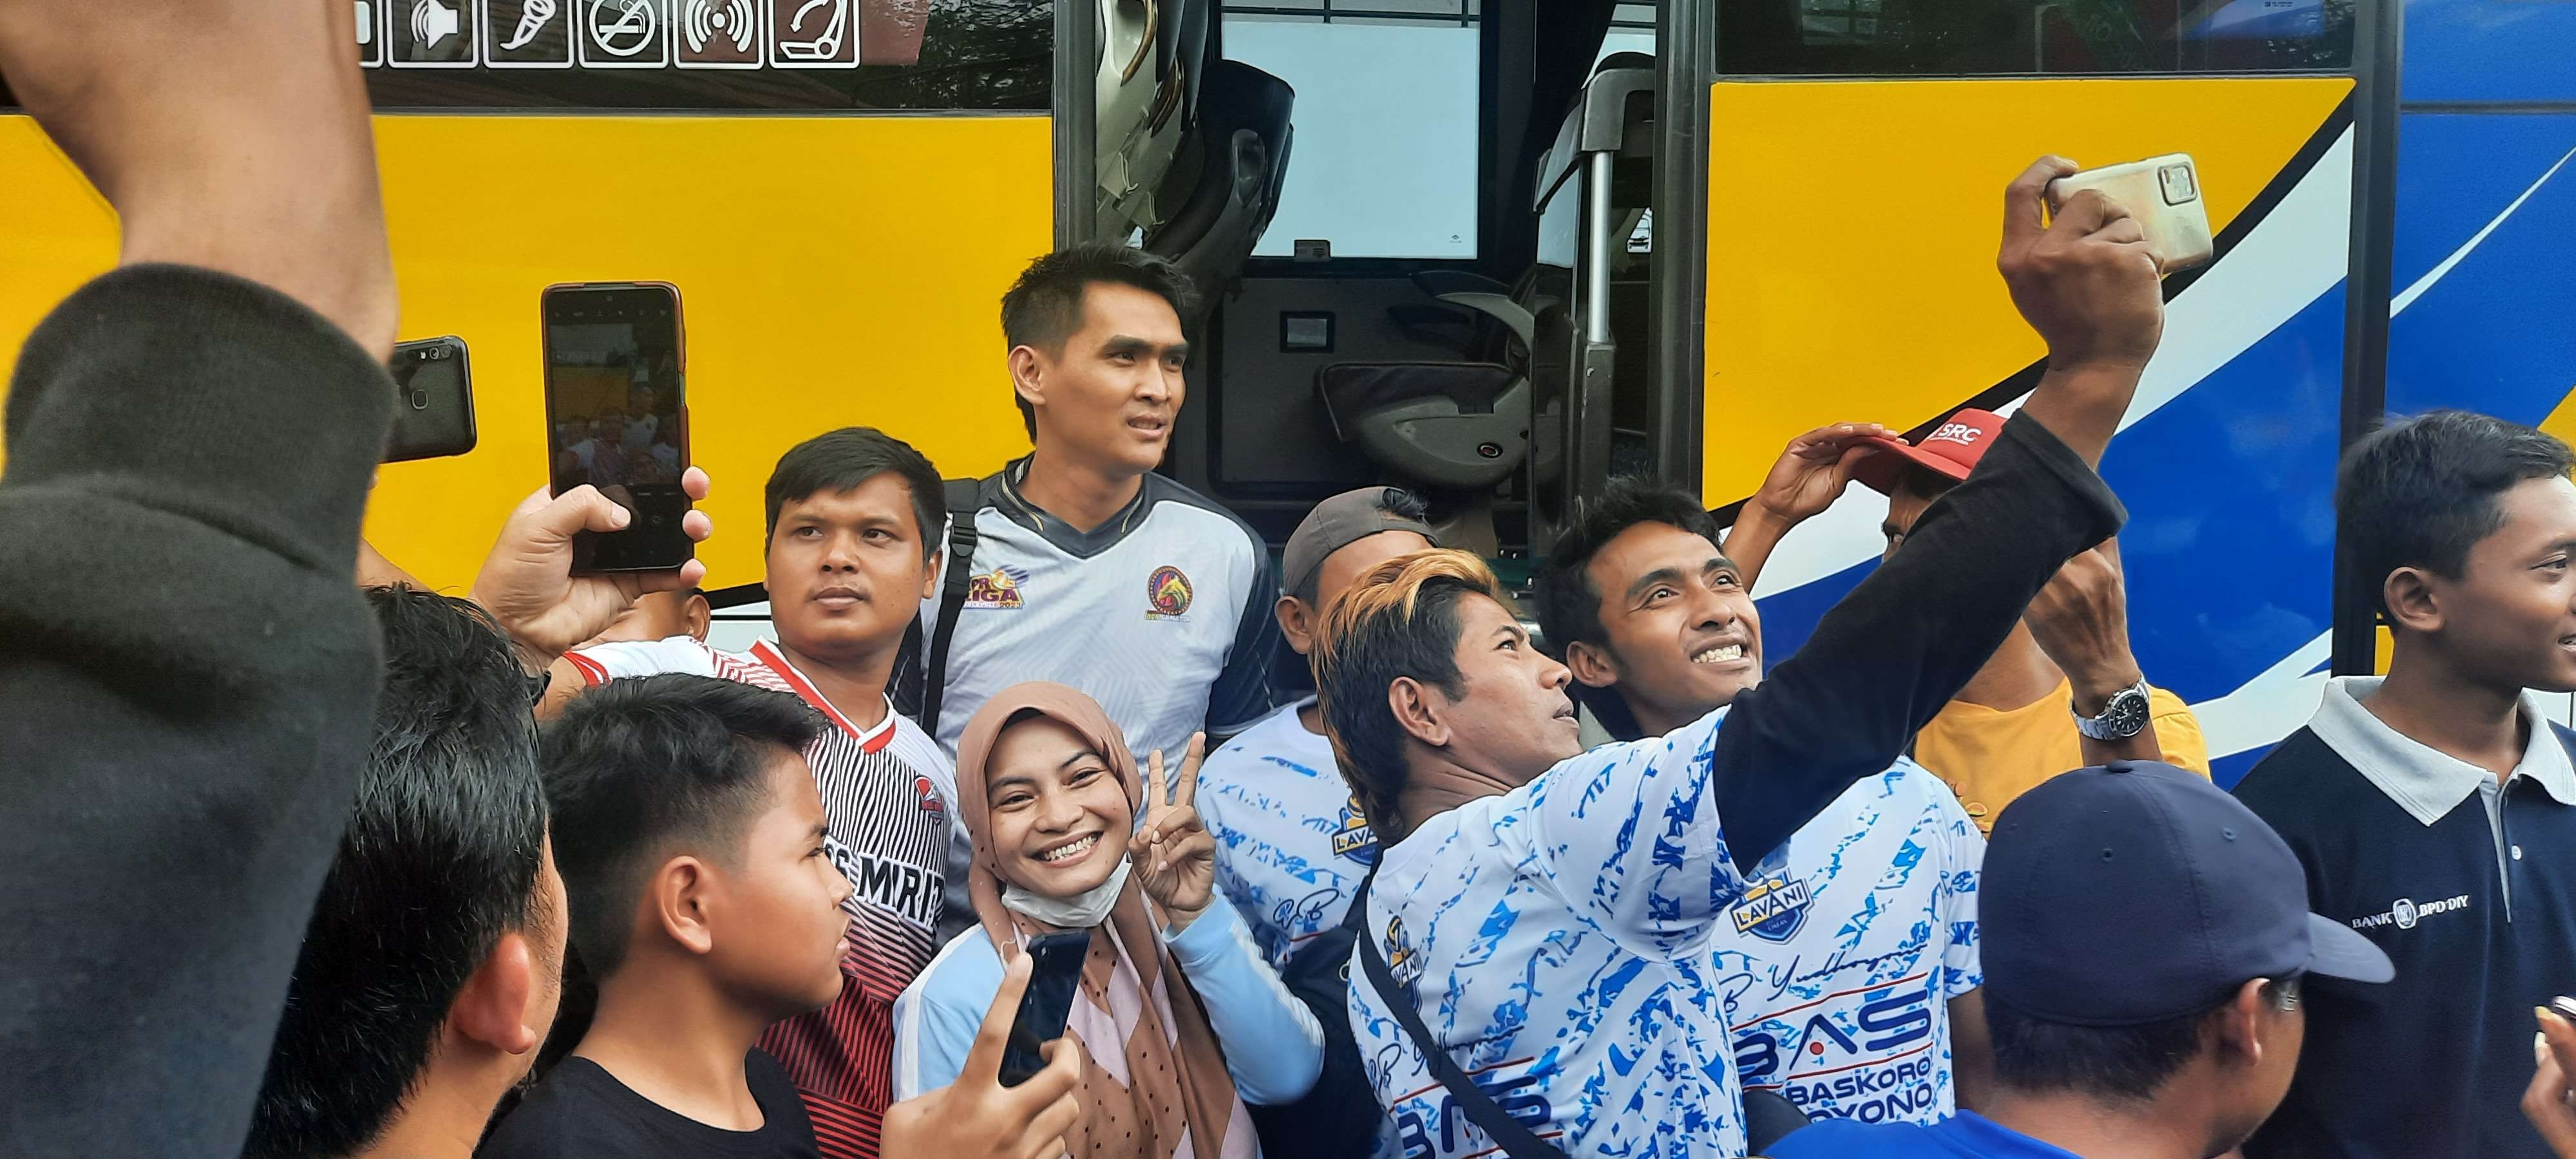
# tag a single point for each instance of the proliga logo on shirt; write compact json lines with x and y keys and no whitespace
{"x":1167,"y":594}
{"x":998,"y":588}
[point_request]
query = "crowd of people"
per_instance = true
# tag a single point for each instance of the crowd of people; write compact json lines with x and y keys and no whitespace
{"x":322,"y":863}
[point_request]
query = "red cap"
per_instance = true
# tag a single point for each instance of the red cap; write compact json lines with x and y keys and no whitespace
{"x":1950,"y":451}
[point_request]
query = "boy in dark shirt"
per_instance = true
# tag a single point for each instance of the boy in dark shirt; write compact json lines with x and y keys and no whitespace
{"x":690,"y":837}
{"x":2433,"y":809}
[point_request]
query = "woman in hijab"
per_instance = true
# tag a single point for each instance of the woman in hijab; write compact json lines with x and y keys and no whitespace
{"x":1179,"y":1020}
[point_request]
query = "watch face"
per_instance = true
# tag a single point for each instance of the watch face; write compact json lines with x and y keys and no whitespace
{"x":2126,"y":716}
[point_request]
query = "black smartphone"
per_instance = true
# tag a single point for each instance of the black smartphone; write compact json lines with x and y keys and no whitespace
{"x":617,"y":416}
{"x":433,"y":400}
{"x":1055,"y":970}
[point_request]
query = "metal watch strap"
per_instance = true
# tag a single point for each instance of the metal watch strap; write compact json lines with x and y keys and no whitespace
{"x":2123,"y":716}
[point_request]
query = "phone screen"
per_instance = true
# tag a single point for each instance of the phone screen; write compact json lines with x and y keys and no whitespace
{"x":616,"y":417}
{"x":1055,"y":969}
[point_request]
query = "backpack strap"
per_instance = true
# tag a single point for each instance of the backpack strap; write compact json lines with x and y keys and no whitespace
{"x":1517,"y":1141}
{"x":964,"y":498}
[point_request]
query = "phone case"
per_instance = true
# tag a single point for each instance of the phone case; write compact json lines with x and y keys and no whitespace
{"x":2163,"y":193}
{"x":433,"y":414}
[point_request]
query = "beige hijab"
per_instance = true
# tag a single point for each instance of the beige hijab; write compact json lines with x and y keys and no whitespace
{"x":1163,"y":1092}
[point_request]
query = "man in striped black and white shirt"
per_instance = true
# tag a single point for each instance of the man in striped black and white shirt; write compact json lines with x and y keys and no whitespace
{"x":852,"y":532}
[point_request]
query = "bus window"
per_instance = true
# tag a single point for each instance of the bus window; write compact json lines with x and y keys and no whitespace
{"x":2030,"y":37}
{"x":1384,"y":164}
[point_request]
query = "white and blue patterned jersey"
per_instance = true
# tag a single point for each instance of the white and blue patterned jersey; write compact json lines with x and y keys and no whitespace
{"x":1291,"y":845}
{"x":1563,"y":943}
{"x":1559,"y":940}
{"x":1841,"y":957}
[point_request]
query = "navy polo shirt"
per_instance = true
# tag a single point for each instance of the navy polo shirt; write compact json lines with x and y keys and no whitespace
{"x":2469,"y":885}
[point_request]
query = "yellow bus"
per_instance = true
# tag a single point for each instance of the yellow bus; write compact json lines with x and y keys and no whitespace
{"x":1499,"y":250}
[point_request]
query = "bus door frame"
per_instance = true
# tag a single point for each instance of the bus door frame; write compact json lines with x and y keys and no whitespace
{"x":1677,"y":273}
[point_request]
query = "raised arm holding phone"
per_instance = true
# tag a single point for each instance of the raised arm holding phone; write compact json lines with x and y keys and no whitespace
{"x":1510,"y":878}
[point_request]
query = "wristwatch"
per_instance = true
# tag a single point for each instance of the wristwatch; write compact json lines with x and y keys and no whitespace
{"x":2124,"y":717}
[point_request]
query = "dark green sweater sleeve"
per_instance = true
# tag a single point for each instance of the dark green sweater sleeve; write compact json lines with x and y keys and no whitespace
{"x":187,"y":676}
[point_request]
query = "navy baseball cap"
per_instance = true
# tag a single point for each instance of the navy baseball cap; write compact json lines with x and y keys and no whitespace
{"x":2138,"y":892}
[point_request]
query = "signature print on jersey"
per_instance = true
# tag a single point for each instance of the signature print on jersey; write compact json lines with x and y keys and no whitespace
{"x":1167,"y":594}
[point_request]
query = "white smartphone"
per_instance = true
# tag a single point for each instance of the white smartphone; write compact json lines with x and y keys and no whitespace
{"x":2163,"y":193}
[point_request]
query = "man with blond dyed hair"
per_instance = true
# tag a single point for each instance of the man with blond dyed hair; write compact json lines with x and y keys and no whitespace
{"x":1537,"y":965}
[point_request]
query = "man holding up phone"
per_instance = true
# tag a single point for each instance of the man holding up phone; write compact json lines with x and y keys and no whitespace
{"x":853,"y":520}
{"x":1546,"y":917}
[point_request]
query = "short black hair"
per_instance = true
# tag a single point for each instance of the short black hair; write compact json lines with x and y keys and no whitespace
{"x":1399,"y":620}
{"x":2113,"y":1063}
{"x":637,"y":765}
{"x":441,"y":857}
{"x":2421,"y":492}
{"x":1044,"y":307}
{"x":1569,"y":607}
{"x":836,"y":461}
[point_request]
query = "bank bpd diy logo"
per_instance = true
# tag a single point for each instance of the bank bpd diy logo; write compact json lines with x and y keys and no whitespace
{"x":1167,"y":594}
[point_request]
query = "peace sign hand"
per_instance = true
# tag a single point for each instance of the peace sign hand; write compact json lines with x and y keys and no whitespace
{"x":1172,"y":853}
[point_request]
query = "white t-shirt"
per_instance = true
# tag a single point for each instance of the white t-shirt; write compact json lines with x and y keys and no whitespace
{"x":1291,"y":845}
{"x":1842,"y":956}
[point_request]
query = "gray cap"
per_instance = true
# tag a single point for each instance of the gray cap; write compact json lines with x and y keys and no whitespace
{"x":1339,"y":522}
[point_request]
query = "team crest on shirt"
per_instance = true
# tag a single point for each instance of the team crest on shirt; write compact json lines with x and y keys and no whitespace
{"x":998,"y":588}
{"x":1167,"y":594}
{"x":1773,"y":909}
{"x":929,"y":793}
{"x":1354,"y":840}
{"x":1402,"y":960}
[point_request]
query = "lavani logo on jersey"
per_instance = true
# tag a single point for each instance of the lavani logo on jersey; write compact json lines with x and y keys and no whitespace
{"x":1354,"y":840}
{"x":1773,"y":909}
{"x":1167,"y":594}
{"x":1403,"y":963}
{"x":998,"y":588}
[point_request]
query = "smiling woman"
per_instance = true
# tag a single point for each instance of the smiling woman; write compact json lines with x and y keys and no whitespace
{"x":1171,"y":979}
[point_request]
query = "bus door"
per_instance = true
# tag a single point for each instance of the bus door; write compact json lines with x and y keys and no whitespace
{"x":1595,"y":248}
{"x":1394,"y":320}
{"x":1857,"y":152}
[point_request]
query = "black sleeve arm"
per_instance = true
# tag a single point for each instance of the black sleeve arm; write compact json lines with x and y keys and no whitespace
{"x":189,"y":674}
{"x":1887,"y":657}
{"x":1242,"y":695}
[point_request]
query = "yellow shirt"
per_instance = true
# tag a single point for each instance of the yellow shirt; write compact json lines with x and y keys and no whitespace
{"x":1990,"y":757}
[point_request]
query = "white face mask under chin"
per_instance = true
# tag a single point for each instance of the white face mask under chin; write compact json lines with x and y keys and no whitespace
{"x":1079,"y":912}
